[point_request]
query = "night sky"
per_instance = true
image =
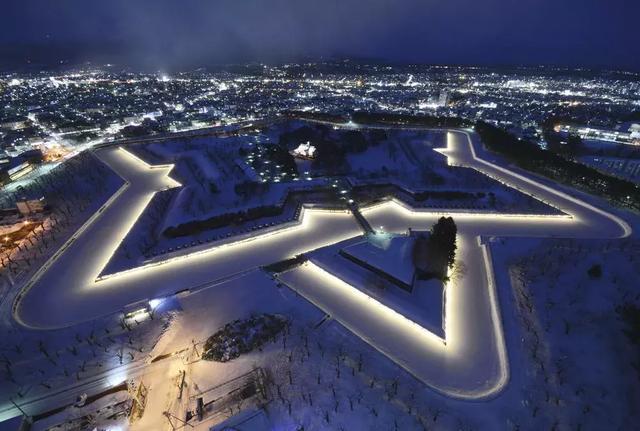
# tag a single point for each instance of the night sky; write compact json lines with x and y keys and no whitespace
{"x":165,"y":34}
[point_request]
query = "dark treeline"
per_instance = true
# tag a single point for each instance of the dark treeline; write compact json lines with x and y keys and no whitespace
{"x":195,"y":227}
{"x":284,"y":265}
{"x":632,"y":116}
{"x":309,"y":133}
{"x":408,"y":120}
{"x":331,"y":151}
{"x":383,"y":118}
{"x":331,"y":158}
{"x":443,"y":240}
{"x":529,"y":156}
{"x":317,"y":116}
{"x":368,"y":193}
{"x":568,"y":147}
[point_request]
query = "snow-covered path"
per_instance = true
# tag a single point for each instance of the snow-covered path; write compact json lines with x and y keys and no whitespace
{"x":67,"y":286}
{"x":471,"y":364}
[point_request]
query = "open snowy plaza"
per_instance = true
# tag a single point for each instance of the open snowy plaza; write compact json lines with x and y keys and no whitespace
{"x":356,"y":338}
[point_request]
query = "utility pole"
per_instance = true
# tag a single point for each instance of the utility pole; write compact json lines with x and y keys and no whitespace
{"x":169,"y":416}
{"x":195,"y":349}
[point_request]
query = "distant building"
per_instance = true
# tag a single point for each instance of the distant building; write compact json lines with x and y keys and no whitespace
{"x":624,"y":135}
{"x":305,"y":151}
{"x":624,"y":168}
{"x":10,"y":221}
{"x":433,"y":102}
{"x":16,"y":123}
{"x":17,"y":167}
{"x":31,"y":206}
{"x":19,"y":171}
{"x":34,"y":156}
{"x":443,"y":100}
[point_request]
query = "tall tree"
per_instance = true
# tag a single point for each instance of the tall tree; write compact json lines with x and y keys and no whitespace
{"x":443,"y":239}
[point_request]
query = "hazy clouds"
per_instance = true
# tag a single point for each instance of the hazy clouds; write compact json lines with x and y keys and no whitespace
{"x":164,"y":33}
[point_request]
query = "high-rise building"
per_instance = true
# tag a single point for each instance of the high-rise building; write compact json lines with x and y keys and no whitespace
{"x":443,"y":100}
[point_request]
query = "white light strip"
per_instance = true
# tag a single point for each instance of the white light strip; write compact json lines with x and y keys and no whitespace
{"x":304,"y":224}
{"x":373,"y":303}
{"x":620,"y":222}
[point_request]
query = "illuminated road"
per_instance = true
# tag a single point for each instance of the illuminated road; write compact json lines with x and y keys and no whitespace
{"x":471,"y":364}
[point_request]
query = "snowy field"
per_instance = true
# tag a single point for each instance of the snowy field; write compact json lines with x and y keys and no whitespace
{"x":323,"y":376}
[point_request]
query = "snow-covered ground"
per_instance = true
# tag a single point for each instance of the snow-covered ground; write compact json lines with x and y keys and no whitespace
{"x":422,"y":302}
{"x":566,"y":336}
{"x":322,"y":375}
{"x":213,"y":170}
{"x":359,"y":389}
{"x":389,"y":254}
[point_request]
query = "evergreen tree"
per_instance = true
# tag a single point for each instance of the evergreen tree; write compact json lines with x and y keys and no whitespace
{"x":443,"y":239}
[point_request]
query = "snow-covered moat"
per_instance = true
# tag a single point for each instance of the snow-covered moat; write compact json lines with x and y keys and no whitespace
{"x":469,"y":361}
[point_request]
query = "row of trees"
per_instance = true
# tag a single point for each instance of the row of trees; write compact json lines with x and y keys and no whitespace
{"x":317,"y":116}
{"x":529,"y":156}
{"x":383,"y":118}
{"x":195,"y":227}
{"x":408,"y":120}
{"x":332,"y":152}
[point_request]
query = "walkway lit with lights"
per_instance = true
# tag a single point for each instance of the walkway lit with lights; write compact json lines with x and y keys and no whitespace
{"x":470,"y":362}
